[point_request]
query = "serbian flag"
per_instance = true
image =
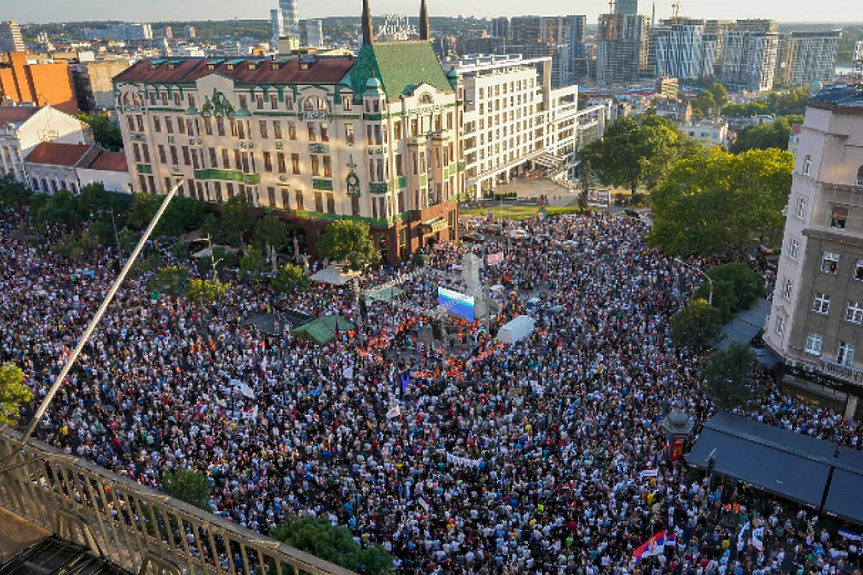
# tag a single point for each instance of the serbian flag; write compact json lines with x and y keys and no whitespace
{"x":654,"y":546}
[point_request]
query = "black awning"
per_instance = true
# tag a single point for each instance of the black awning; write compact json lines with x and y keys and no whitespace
{"x":767,"y":467}
{"x":845,"y":498}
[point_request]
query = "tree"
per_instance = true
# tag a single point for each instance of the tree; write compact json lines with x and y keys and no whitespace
{"x":271,"y":234}
{"x":237,"y":220}
{"x":348,"y":242}
{"x":190,"y":486}
{"x":736,"y":287}
{"x":13,"y":393}
{"x":13,"y":194}
{"x":704,"y":103}
{"x":696,"y":325}
{"x":765,"y":135}
{"x":713,"y":201}
{"x":726,"y":373}
{"x":207,"y":291}
{"x":635,"y":151}
{"x":719,"y":93}
{"x":289,"y":279}
{"x":105,"y":133}
{"x":252,"y":265}
{"x":182,"y":214}
{"x":170,"y":281}
{"x":60,"y":209}
{"x":335,"y":544}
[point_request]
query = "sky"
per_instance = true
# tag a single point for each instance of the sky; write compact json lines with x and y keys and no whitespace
{"x":161,"y":10}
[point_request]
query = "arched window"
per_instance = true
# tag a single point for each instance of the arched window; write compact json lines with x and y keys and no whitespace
{"x":860,"y":176}
{"x":807,"y":165}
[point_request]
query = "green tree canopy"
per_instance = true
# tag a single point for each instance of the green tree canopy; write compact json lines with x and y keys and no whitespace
{"x":713,"y":201}
{"x":704,"y":104}
{"x":171,"y":281}
{"x":765,"y":135}
{"x":726,"y":373}
{"x":635,"y":151}
{"x":289,"y":279}
{"x":348,"y":242}
{"x":335,"y":544}
{"x":13,"y":194}
{"x":13,"y":393}
{"x":207,"y":291}
{"x":736,"y":287}
{"x":696,"y":325}
{"x":182,"y":214}
{"x":252,"y":265}
{"x":236,"y":220}
{"x":190,"y":486}
{"x":105,"y":132}
{"x":271,"y":235}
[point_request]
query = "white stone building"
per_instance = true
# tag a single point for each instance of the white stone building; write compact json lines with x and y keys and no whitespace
{"x":22,"y":128}
{"x":816,"y":320}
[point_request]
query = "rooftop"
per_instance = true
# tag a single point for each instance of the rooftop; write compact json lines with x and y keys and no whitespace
{"x":838,"y":98}
{"x":16,"y":114}
{"x":57,"y":154}
{"x":110,"y":161}
{"x":245,"y":70}
{"x":400,"y":67}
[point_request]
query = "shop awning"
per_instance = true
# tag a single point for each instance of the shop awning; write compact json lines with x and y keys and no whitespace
{"x":434,"y":226}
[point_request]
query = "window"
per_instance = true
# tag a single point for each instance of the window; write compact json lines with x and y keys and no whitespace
{"x":220,"y":125}
{"x":244,"y":102}
{"x":838,"y":218}
{"x":292,"y":131}
{"x":858,"y":271}
{"x":277,"y":129}
{"x":169,"y":125}
{"x":319,"y":202}
{"x":295,"y":165}
{"x":268,"y":162}
{"x":821,"y":304}
{"x":226,"y":162}
{"x":157,"y":124}
{"x":793,"y":248}
{"x":807,"y":165}
{"x":780,"y":325}
{"x":131,"y":121}
{"x":162,"y":155}
{"x":262,"y":125}
{"x":298,"y":198}
{"x":813,"y":343}
{"x":860,"y":176}
{"x":259,"y":101}
{"x":191,"y":100}
{"x":347,"y":103}
{"x":349,"y":134}
{"x":801,"y":208}
{"x":316,"y":170}
{"x":327,"y":166}
{"x":829,"y":262}
{"x":174,"y":158}
{"x":854,"y":312}
{"x":280,"y":160}
{"x":325,"y":132}
{"x":331,"y":204}
{"x":786,"y":288}
{"x":845,"y":355}
{"x":274,"y":101}
{"x":313,"y":134}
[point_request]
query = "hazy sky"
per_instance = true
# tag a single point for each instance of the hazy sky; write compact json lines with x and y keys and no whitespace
{"x":160,"y":10}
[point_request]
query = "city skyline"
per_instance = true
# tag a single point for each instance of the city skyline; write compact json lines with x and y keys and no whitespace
{"x":830,"y":11}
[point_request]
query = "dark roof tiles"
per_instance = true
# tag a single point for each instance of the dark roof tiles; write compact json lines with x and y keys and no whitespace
{"x":57,"y":154}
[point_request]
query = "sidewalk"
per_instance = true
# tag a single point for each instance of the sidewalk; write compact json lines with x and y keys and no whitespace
{"x":16,"y":535}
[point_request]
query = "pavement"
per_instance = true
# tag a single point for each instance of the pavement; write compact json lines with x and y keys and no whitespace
{"x":16,"y":535}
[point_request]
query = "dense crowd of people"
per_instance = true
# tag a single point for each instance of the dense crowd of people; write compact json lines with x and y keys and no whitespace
{"x":461,"y":456}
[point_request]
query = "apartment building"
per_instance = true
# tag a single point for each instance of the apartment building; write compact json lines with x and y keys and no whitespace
{"x":10,"y":37}
{"x":374,"y":138}
{"x":683,"y":49}
{"x":810,"y":57}
{"x":749,"y":55}
{"x":621,"y":48}
{"x":514,"y":120}
{"x":38,"y":83}
{"x":816,"y":320}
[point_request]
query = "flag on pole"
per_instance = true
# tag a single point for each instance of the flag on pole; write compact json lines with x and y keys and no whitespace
{"x":653,"y":546}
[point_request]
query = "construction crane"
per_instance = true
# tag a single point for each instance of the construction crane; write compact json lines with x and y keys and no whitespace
{"x":675,"y":12}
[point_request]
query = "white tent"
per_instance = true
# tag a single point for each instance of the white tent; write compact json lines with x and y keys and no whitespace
{"x":334,"y":275}
{"x":516,"y":330}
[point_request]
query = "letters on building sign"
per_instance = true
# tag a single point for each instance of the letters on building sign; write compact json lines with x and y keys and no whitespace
{"x":313,"y":115}
{"x":423,"y":110}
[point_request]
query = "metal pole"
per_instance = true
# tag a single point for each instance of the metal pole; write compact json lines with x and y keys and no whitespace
{"x":37,"y":417}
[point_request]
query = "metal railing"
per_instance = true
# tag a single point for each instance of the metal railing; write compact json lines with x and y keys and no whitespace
{"x":133,"y":526}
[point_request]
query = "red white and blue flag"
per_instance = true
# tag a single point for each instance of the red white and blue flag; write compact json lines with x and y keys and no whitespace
{"x":654,"y":546}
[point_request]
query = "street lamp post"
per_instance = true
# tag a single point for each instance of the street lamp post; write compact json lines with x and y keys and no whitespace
{"x":678,"y":426}
{"x":709,"y":281}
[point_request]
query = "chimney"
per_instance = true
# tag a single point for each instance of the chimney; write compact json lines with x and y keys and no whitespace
{"x":424,"y":21}
{"x":368,"y":28}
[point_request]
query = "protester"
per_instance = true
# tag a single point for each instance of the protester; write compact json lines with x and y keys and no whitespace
{"x":466,"y":456}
